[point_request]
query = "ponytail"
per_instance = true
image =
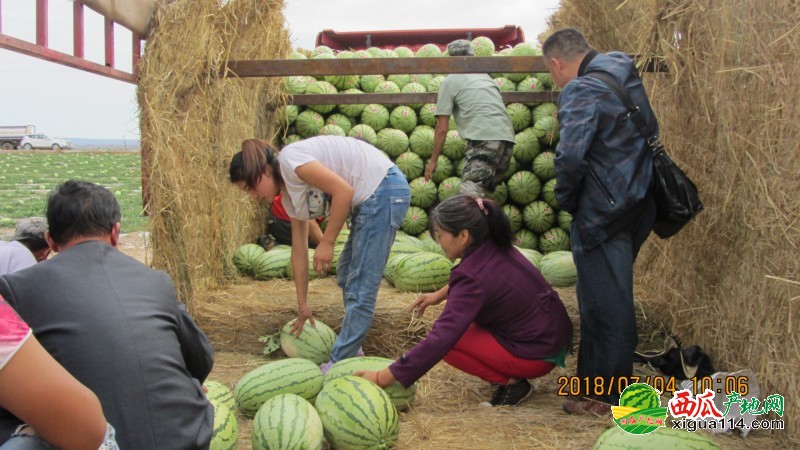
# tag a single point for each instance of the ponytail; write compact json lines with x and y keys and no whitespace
{"x":482,"y":217}
{"x":256,"y":158}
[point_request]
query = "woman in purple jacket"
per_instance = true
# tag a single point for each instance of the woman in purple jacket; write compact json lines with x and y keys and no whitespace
{"x":502,"y":322}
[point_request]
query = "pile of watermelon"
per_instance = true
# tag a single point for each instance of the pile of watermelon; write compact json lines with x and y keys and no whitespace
{"x":405,"y":134}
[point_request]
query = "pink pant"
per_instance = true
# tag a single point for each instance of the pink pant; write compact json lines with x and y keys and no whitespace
{"x":478,"y":353}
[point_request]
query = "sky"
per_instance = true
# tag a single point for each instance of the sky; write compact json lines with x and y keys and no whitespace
{"x":69,"y":103}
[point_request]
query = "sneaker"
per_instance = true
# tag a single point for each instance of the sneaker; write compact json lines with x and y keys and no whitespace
{"x":512,"y":394}
{"x":325,"y":367}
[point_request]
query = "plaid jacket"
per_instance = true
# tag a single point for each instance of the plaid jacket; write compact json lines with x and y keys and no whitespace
{"x":603,"y":166}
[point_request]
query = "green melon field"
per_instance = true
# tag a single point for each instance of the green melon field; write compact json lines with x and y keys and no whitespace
{"x":27,"y":177}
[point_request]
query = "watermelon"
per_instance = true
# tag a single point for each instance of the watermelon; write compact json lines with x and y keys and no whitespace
{"x":503,"y":52}
{"x":311,"y":273}
{"x":444,"y":169}
{"x":427,"y":114}
{"x":410,"y":164}
{"x":520,"y":116}
{"x":554,"y":239}
{"x":245,"y":256}
{"x":546,"y":79}
{"x":423,"y":192}
{"x":357,"y":415}
{"x":423,"y":79}
{"x":407,"y":239}
{"x":530,"y":84}
{"x":313,"y":344}
{"x":454,"y":146}
{"x":341,"y":121}
{"x":321,"y":87}
{"x":544,"y":166}
{"x":345,"y":54}
{"x":429,"y":51}
{"x":392,"y":141}
{"x":413,"y":88}
{"x":514,"y":217}
{"x":344,"y":82}
{"x":661,"y":439}
{"x":344,"y":234}
{"x":512,"y":168}
{"x":365,"y":132}
{"x":287,"y":421}
{"x":415,"y":221}
{"x":558,"y":269}
{"x":505,"y":85}
{"x":320,"y":49}
{"x":422,"y":272}
{"x":391,"y":265}
{"x":403,"y":52}
{"x":460,"y":167}
{"x":361,"y":54}
{"x":370,"y":82}
{"x":287,"y":114}
{"x":287,"y":376}
{"x":374,"y":51}
{"x":448,"y":187}
{"x":387,"y":87}
{"x":436,"y":81}
{"x":564,"y":220}
{"x":332,"y":130}
{"x":500,"y":194}
{"x":297,"y":55}
{"x":352,"y":110}
{"x":549,"y":193}
{"x":226,"y":429}
{"x":425,"y":235}
{"x":401,"y":247}
{"x":400,"y":80}
{"x":523,"y":187}
{"x":272,"y":264}
{"x":526,"y":146}
{"x":376,"y":116}
{"x":522,"y":49}
{"x":291,"y":138}
{"x":403,"y":118}
{"x":538,"y":216}
{"x":421,"y":141}
{"x":309,"y":123}
{"x":482,"y":46}
{"x":298,"y":84}
{"x":219,"y":394}
{"x":401,"y":397}
{"x":433,"y":247}
{"x":546,"y":130}
{"x":531,"y":255}
{"x":526,"y":239}
{"x":544,"y":110}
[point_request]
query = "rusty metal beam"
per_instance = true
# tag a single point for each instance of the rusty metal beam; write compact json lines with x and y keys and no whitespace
{"x":37,"y":51}
{"x":109,"y":41}
{"x":77,"y":29}
{"x":367,"y":66}
{"x":404,"y":99}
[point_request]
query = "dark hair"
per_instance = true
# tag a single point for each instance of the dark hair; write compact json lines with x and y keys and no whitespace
{"x":462,"y":212}
{"x":34,"y":244}
{"x":79,"y":208}
{"x":249,"y":164}
{"x":565,"y":44}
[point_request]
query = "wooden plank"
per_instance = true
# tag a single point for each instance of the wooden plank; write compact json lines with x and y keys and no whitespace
{"x":383,"y":66}
{"x":405,"y":99}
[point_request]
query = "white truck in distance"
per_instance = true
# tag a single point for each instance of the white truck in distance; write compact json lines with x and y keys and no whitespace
{"x":25,"y":137}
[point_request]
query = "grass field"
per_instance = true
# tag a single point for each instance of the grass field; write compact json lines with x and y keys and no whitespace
{"x":27,"y":177}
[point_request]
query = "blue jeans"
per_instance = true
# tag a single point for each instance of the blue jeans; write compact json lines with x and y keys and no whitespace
{"x":374,"y":224}
{"x":605,"y":301}
{"x":21,"y":441}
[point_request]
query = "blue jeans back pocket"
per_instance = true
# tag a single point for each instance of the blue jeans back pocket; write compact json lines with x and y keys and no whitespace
{"x":399,"y":208}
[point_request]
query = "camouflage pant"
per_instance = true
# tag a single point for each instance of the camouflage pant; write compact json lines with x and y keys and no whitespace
{"x":485,"y":162}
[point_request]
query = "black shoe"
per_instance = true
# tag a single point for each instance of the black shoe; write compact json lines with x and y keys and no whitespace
{"x":514,"y":394}
{"x":498,"y":395}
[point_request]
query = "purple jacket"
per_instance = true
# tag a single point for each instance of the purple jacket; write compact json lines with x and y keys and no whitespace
{"x":501,"y":291}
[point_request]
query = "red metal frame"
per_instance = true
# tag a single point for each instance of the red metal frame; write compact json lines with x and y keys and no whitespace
{"x":76,"y":60}
{"x":508,"y":35}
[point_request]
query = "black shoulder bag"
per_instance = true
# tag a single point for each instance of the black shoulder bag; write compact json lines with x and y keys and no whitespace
{"x":676,"y":196}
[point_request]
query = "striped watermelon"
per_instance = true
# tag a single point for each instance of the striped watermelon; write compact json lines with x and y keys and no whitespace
{"x":429,"y":51}
{"x":444,"y":169}
{"x":365,"y":132}
{"x":244,"y":257}
{"x":549,"y":193}
{"x":403,"y":118}
{"x":391,"y":265}
{"x":544,"y":110}
{"x":313,"y":344}
{"x":344,"y":233}
{"x":433,"y":247}
{"x":433,"y":85}
{"x":226,"y":429}
{"x":413,"y":88}
{"x":287,"y":421}
{"x":411,"y":165}
{"x":415,"y":221}
{"x":526,"y":239}
{"x":332,"y":130}
{"x":273,"y":264}
{"x":544,"y":166}
{"x":459,"y":167}
{"x":454,"y":146}
{"x":407,"y":239}
{"x":219,"y":394}
{"x":308,"y":123}
{"x":558,"y":268}
{"x":554,"y":239}
{"x":520,"y":116}
{"x":514,"y":217}
{"x":526,"y":146}
{"x":531,"y":255}
{"x":538,"y":216}
{"x":401,"y":80}
{"x":661,"y":439}
{"x":505,"y":85}
{"x":376,"y":116}
{"x":546,"y":130}
{"x":403,"y":247}
{"x":401,"y":397}
{"x":513,"y":168}
{"x":403,"y":52}
{"x":564,"y":220}
{"x":500,"y":194}
{"x":425,"y":236}
{"x":392,"y":141}
{"x":422,"y":272}
{"x":352,"y":110}
{"x":341,"y":121}
{"x":421,"y":141}
{"x":530,"y":84}
{"x":311,"y":273}
{"x":427,"y":114}
{"x":291,"y":138}
{"x":370,"y":82}
{"x":287,"y":376}
{"x":448,"y":187}
{"x":343,"y":82}
{"x":357,"y":415}
{"x":321,"y":87}
{"x":524,"y":187}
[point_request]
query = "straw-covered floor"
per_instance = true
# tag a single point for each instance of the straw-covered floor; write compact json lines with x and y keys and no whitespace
{"x":728,"y":110}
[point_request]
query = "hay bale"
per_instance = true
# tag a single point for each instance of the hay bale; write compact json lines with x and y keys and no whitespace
{"x":192,"y":120}
{"x":728,"y":111}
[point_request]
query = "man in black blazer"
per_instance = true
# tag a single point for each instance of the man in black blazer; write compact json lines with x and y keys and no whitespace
{"x":115,"y":325}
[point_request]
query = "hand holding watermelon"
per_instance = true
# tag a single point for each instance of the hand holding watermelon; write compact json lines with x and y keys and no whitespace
{"x":303,"y":314}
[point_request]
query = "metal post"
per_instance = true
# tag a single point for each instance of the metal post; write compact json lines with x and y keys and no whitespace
{"x":41,"y":22}
{"x":109,"y":42}
{"x":77,"y":29}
